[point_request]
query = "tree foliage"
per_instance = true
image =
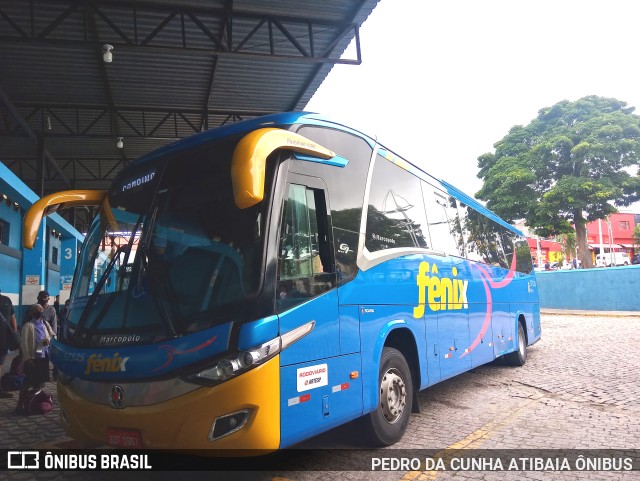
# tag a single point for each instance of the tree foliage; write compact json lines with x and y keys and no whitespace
{"x":572,"y":164}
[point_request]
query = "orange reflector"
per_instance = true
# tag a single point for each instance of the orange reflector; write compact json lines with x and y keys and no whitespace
{"x":354,"y":374}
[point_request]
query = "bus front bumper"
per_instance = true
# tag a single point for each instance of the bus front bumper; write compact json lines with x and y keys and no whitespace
{"x":185,"y":422}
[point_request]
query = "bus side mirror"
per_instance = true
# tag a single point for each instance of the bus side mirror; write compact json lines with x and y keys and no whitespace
{"x":53,"y":202}
{"x":250,"y":158}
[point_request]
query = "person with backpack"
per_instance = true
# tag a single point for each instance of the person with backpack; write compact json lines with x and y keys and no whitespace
{"x":35,"y":340}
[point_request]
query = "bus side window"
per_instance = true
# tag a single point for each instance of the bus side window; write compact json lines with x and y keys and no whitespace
{"x":396,"y":215}
{"x":445,"y":225}
{"x":305,"y":262}
{"x":346,"y":186}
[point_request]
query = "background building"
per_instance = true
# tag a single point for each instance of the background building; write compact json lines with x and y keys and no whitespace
{"x":51,"y":262}
{"x":614,"y":233}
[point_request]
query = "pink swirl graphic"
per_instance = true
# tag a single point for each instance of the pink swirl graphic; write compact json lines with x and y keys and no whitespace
{"x":172,"y":351}
{"x":487,"y":281}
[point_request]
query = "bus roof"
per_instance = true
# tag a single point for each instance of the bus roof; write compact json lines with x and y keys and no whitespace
{"x":309,"y":118}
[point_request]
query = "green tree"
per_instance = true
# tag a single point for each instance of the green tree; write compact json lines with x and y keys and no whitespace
{"x":569,"y":244}
{"x":572,"y":164}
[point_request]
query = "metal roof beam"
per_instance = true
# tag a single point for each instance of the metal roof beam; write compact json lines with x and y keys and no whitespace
{"x":204,"y":122}
{"x":135,"y":119}
{"x":200,"y":30}
{"x":31,"y":134}
{"x":329,"y":48}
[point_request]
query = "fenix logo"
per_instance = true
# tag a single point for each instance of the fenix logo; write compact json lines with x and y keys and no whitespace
{"x":113,"y":364}
{"x":440,"y":293}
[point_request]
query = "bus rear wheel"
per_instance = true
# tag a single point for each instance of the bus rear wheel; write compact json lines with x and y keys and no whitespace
{"x":387,"y":424}
{"x":519,"y":357}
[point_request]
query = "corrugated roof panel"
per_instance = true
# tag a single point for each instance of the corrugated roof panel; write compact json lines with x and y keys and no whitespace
{"x":241,"y":84}
{"x":172,"y":72}
{"x":44,"y":74}
{"x":159,"y":79}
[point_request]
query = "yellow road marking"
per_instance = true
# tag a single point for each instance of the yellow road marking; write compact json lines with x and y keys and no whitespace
{"x":472,"y":441}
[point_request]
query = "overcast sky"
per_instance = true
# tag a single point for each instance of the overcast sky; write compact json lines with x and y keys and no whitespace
{"x":442,"y":81}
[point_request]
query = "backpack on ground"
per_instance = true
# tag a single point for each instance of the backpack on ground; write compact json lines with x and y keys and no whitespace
{"x":38,"y":402}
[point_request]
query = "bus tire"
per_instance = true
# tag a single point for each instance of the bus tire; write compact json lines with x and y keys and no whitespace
{"x":519,"y":356}
{"x":387,"y":424}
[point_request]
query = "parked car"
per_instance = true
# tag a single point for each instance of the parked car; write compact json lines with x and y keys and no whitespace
{"x":616,"y":258}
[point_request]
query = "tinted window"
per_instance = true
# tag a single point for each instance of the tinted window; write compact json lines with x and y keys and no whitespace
{"x":346,"y":189}
{"x":523,"y":255}
{"x":299,"y":254}
{"x":444,"y":221}
{"x":395,"y":216}
{"x":305,"y":266}
{"x":4,"y":232}
{"x":489,"y":242}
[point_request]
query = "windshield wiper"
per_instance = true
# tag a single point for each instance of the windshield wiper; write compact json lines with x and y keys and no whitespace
{"x":101,"y":283}
{"x":144,"y":271}
{"x":96,"y":291}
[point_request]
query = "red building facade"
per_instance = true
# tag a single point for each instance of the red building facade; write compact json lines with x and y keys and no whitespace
{"x":543,"y":251}
{"x":615,"y":232}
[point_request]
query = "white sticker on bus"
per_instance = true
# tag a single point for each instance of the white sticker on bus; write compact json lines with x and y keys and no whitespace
{"x":312,"y":377}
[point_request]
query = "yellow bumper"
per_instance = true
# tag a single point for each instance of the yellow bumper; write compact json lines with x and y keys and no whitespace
{"x":185,"y":422}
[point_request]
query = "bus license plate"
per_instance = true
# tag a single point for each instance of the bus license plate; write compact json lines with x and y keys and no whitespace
{"x":124,"y":438}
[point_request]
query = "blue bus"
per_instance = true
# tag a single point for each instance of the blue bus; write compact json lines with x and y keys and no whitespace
{"x":279,"y":277}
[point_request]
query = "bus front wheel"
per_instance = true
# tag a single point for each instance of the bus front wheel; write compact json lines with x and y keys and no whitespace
{"x":389,"y":421}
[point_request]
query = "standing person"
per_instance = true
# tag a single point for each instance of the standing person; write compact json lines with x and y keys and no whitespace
{"x":56,"y":305}
{"x":6,"y":310}
{"x":49,"y":315}
{"x":48,"y":311}
{"x":34,"y":345}
{"x":64,"y":315}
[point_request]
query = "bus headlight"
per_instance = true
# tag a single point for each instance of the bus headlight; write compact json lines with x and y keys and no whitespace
{"x":236,"y":363}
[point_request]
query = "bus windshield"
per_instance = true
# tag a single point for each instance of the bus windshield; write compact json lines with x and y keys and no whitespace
{"x":184,"y":257}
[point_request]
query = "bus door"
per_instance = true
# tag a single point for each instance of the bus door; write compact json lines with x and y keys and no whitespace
{"x":453,"y":328}
{"x":481,"y":334}
{"x":453,"y":337}
{"x":503,"y":326}
{"x":307,"y":296}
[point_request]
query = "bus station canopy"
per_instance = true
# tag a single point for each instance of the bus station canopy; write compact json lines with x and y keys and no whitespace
{"x":88,"y":86}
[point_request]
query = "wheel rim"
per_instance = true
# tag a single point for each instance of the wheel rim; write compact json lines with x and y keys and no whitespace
{"x":393,"y":396}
